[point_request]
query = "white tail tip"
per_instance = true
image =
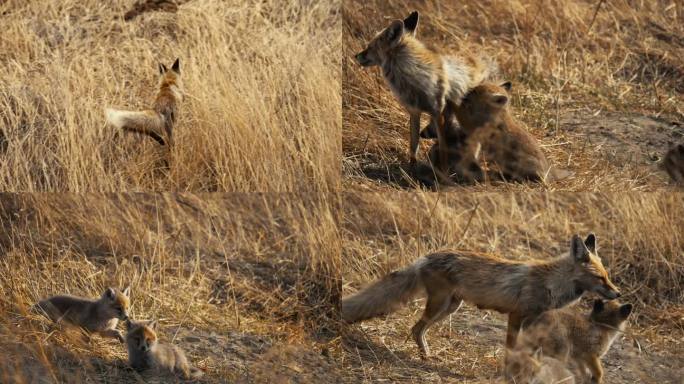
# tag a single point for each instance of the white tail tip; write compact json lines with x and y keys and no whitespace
{"x":114,"y":117}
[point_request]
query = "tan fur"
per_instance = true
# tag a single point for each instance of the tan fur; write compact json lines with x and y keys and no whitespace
{"x":157,"y":122}
{"x":522,"y":289}
{"x":422,"y":79}
{"x":100,"y":316}
{"x":492,"y":143}
{"x":579,"y":338}
{"x":143,"y":6}
{"x":146,"y":353}
{"x":522,"y":367}
{"x":673,"y":163}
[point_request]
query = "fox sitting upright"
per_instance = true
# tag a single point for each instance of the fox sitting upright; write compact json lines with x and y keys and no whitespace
{"x":523,"y":290}
{"x":422,"y":79}
{"x":100,"y":316}
{"x":156,"y":122}
{"x":145,"y":353}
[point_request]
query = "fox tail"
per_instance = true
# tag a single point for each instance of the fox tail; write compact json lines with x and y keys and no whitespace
{"x":383,"y":296}
{"x":147,"y":122}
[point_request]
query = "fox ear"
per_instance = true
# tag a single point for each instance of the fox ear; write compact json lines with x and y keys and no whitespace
{"x":109,"y":293}
{"x":152,"y":324}
{"x":127,"y":292}
{"x":162,"y":69}
{"x":507,"y":85}
{"x":625,"y":310}
{"x":598,"y":305}
{"x":590,"y":243}
{"x":394,"y":32}
{"x":500,"y":100}
{"x":578,"y":250}
{"x":176,"y":66}
{"x":411,"y":22}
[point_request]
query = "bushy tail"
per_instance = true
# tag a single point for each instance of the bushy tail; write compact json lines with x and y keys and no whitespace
{"x":383,"y":296}
{"x":148,"y":123}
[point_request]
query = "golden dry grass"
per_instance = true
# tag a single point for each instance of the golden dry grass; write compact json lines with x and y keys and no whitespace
{"x":262,"y":108}
{"x":640,"y":239}
{"x":581,"y":84}
{"x":231,"y":277}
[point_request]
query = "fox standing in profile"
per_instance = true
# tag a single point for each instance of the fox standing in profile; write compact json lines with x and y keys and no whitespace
{"x":145,"y":352}
{"x":422,"y":79}
{"x":582,"y":339}
{"x":156,"y":122}
{"x":523,"y":290}
{"x":99,"y":316}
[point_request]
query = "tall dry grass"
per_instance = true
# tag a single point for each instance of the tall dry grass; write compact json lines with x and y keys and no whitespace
{"x":570,"y":61}
{"x":242,"y":274}
{"x":262,"y":108}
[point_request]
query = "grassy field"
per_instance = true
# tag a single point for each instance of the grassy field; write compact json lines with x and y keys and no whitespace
{"x":640,"y":240}
{"x":262,"y":107}
{"x":598,"y":83}
{"x":247,"y":285}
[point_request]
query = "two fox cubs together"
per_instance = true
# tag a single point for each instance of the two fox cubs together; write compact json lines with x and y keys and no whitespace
{"x":158,"y":121}
{"x":448,"y":88}
{"x":102,"y":316}
{"x":523,"y":290}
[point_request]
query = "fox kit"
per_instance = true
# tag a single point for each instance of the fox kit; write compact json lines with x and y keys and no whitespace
{"x":524,"y":290}
{"x":156,"y":122}
{"x":582,"y":339}
{"x":522,"y":367}
{"x":422,"y":79}
{"x":491,"y":135}
{"x":100,"y":316}
{"x":673,"y":163}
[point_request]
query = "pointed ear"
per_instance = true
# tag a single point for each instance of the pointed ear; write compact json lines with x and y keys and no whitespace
{"x":394,"y":32}
{"x":578,"y":250}
{"x":625,"y":310}
{"x":590,"y":243}
{"x":127,"y":292}
{"x":598,"y":306}
{"x":537,"y":354}
{"x":500,"y":100}
{"x":411,"y":23}
{"x":152,"y":324}
{"x":162,"y":69}
{"x":176,"y":66}
{"x":109,"y":293}
{"x":507,"y":85}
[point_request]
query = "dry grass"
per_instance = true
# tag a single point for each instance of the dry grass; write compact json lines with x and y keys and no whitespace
{"x":574,"y":75}
{"x":640,"y":239}
{"x":262,"y":110}
{"x":243,"y":274}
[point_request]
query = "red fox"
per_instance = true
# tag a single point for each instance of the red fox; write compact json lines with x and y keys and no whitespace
{"x":100,"y":316}
{"x":582,"y":339}
{"x":524,"y":290}
{"x":489,"y":134}
{"x":673,"y":163}
{"x":145,"y":353}
{"x":422,"y":79}
{"x":156,"y":122}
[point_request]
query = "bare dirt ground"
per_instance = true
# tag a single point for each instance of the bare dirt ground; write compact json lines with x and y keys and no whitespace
{"x":640,"y":242}
{"x":597,"y":86}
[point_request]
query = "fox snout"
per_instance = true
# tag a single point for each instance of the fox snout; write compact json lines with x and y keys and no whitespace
{"x":609,"y":291}
{"x":362,"y":59}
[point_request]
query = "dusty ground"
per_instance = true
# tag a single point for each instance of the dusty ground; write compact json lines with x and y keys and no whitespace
{"x":598,"y":87}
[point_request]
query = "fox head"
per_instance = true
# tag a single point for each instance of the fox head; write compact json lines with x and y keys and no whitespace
{"x":170,"y":77}
{"x":485,"y":99}
{"x":378,"y":49}
{"x":610,"y":313}
{"x":588,"y":271}
{"x":117,"y":302}
{"x":141,"y":336}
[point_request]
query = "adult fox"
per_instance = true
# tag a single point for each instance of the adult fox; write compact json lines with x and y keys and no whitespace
{"x":524,"y":290}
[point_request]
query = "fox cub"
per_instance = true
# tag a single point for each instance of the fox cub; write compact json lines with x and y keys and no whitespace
{"x":420,"y":78}
{"x":156,"y":122}
{"x":491,"y":135}
{"x":99,"y":316}
{"x":523,"y":290}
{"x":145,"y":353}
{"x":523,"y":367}
{"x":582,"y":339}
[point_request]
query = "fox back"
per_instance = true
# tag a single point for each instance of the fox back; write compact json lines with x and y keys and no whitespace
{"x":92,"y":315}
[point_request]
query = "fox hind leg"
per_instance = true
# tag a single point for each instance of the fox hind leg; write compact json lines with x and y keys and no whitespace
{"x":438,"y":306}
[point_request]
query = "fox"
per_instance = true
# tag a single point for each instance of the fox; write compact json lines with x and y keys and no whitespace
{"x":581,"y":338}
{"x":98,"y":316}
{"x":422,"y":79}
{"x":490,"y":134}
{"x":146,"y":353}
{"x":521,"y":289}
{"x":673,"y":163}
{"x":522,"y":367}
{"x":157,"y":122}
{"x":142,"y":6}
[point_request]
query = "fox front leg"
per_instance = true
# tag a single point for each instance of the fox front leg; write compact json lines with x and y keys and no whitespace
{"x":414,"y":122}
{"x":113,"y":333}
